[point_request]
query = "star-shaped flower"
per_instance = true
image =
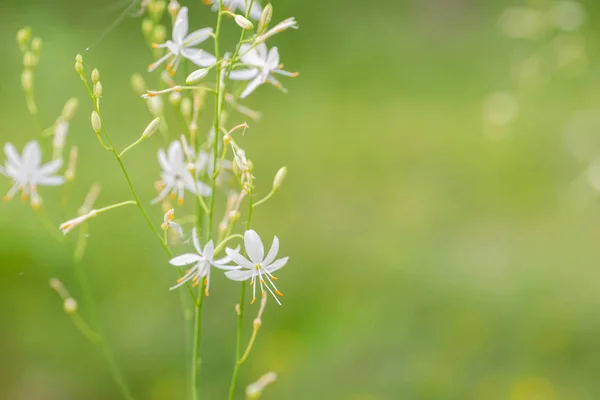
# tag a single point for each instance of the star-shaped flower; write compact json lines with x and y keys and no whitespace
{"x":202,"y":261}
{"x":27,"y":172}
{"x":176,"y":177}
{"x":262,"y":65}
{"x":258,"y":268}
{"x":232,"y":5}
{"x":182,"y":45}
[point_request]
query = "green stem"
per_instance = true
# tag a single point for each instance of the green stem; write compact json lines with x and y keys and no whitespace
{"x":196,"y":343}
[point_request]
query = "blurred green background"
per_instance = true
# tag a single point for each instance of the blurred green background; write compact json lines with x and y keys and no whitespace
{"x":440,"y":211}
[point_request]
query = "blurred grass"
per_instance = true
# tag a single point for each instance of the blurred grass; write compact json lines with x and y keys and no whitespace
{"x":427,"y":261}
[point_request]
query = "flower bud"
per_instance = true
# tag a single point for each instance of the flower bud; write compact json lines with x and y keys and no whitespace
{"x":151,"y":128}
{"x":265,"y":18}
{"x":243,"y":22}
{"x":95,"y":76}
{"x":98,"y":90}
{"x":159,"y":34}
{"x":79,"y":66}
{"x":138,"y":83}
{"x":155,"y":105}
{"x":23,"y":36}
{"x":55,"y":284}
{"x":279,"y":177}
{"x":70,"y":172}
{"x":186,"y":107}
{"x":147,"y":26}
{"x":173,"y":8}
{"x":27,"y":80}
{"x":197,"y":75}
{"x":36,"y":46}
{"x":174,"y":98}
{"x":70,"y":305}
{"x":28,"y":60}
{"x":70,"y":108}
{"x":156,"y":9}
{"x":96,"y":123}
{"x":254,"y":390}
{"x":234,"y":216}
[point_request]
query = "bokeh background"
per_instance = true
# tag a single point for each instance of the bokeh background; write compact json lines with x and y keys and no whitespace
{"x":441,"y":209}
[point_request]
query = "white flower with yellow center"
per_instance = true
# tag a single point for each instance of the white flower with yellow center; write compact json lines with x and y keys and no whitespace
{"x":168,"y":222}
{"x":258,"y":268}
{"x":27,"y":172}
{"x":176,"y":178}
{"x":202,"y":261}
{"x":182,"y":45}
{"x":261,"y":67}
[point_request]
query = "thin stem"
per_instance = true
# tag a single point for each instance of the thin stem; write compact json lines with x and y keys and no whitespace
{"x":264,"y":199}
{"x":112,"y":207}
{"x":196,"y":343}
{"x":131,"y":146}
{"x":250,"y":344}
{"x":117,"y":375}
{"x":222,"y":244}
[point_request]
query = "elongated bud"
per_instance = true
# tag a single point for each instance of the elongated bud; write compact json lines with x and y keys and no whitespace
{"x":151,"y":128}
{"x":265,"y":18}
{"x":243,"y":22}
{"x":280,"y":27}
{"x":138,"y":83}
{"x":68,"y":226}
{"x":90,"y":199}
{"x":279,"y":177}
{"x":197,"y":75}
{"x":95,"y":76}
{"x":98,"y":90}
{"x":156,"y":9}
{"x":147,"y":27}
{"x":70,"y":305}
{"x":36,"y":46}
{"x":23,"y":36}
{"x":58,"y":286}
{"x":173,"y":8}
{"x":254,"y":390}
{"x":96,"y":123}
{"x":27,"y":80}
{"x":155,"y":105}
{"x":186,"y":107}
{"x":70,"y":109}
{"x":70,"y":172}
{"x":159,"y":34}
{"x":79,"y":66}
{"x":28,"y":60}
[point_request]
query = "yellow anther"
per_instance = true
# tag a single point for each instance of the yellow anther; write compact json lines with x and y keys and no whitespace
{"x":274,"y":278}
{"x":180,"y":279}
{"x":278,"y":293}
{"x":155,"y":45}
{"x":253,"y":300}
{"x":180,"y":201}
{"x":195,"y":284}
{"x":7,"y":197}
{"x":172,"y":196}
{"x":24,"y":197}
{"x":263,"y":282}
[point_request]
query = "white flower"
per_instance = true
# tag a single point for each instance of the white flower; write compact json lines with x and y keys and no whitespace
{"x":232,"y":5}
{"x":259,"y":267}
{"x":280,"y":27}
{"x":176,"y":177}
{"x":262,"y":65}
{"x":169,"y":223}
{"x":202,"y":263}
{"x":27,"y":171}
{"x":182,"y":43}
{"x":68,"y":226}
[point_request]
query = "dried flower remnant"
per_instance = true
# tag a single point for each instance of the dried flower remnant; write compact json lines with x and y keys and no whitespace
{"x":254,"y":390}
{"x":168,"y":222}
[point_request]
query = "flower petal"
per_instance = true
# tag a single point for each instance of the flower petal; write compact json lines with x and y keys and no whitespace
{"x":185,"y":259}
{"x":256,"y":82}
{"x":197,"y":37}
{"x":272,"y":252}
{"x":238,"y":275}
{"x":202,"y":58}
{"x":277,"y":264}
{"x":50,"y":180}
{"x":51,"y":168}
{"x":239,"y":259}
{"x":254,"y":246}
{"x":243,"y":74}
{"x":32,"y":155}
{"x":180,"y":28}
{"x":273,"y":58}
{"x":196,"y":241}
{"x":209,"y":250}
{"x":12,"y":154}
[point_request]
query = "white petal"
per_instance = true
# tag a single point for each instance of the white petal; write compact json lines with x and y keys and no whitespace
{"x":177,"y":228}
{"x":32,"y":155}
{"x":185,"y":259}
{"x":272,"y":252}
{"x":163,"y":161}
{"x":209,"y":250}
{"x":226,"y":259}
{"x":50,"y":168}
{"x":262,"y":51}
{"x":255,"y":10}
{"x":11,"y":154}
{"x":273,"y":58}
{"x":254,"y":246}
{"x":256,"y":82}
{"x":239,"y":259}
{"x":277,"y":264}
{"x":50,"y":181}
{"x":180,"y":28}
{"x":250,"y":56}
{"x":238,"y":275}
{"x":243,"y":74}
{"x":197,"y":37}
{"x":196,"y":241}
{"x":202,"y":59}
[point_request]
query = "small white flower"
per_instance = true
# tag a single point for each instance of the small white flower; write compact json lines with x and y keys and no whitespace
{"x":182,"y":45}
{"x":289,"y":23}
{"x":262,"y":65}
{"x":169,"y":223}
{"x":232,"y":5}
{"x":202,"y":261}
{"x":68,"y":226}
{"x":176,"y":177}
{"x":259,"y":267}
{"x":27,"y":171}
